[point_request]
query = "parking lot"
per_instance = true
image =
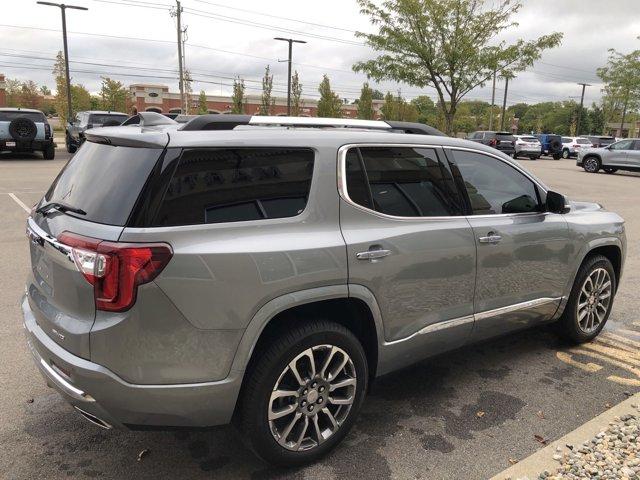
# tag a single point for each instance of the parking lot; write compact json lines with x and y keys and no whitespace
{"x":473,"y":411}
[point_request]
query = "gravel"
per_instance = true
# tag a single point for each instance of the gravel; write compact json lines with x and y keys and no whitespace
{"x":613,"y":454}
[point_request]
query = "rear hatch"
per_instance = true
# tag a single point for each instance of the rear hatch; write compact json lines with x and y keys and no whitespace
{"x":505,"y":141}
{"x":103,"y":182}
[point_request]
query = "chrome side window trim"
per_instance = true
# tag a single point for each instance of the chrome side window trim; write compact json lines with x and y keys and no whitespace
{"x":38,"y":236}
{"x":344,"y":194}
{"x":460,"y":321}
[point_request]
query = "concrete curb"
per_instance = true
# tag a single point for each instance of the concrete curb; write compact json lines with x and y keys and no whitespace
{"x":532,"y":466}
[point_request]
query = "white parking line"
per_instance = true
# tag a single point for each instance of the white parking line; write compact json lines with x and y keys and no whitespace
{"x":20,"y":202}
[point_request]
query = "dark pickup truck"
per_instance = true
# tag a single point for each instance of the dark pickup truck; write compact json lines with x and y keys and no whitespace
{"x":503,"y":141}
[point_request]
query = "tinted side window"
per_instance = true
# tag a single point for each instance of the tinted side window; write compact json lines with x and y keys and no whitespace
{"x":495,"y":187}
{"x":406,"y":182}
{"x":567,"y":140}
{"x":237,"y":184}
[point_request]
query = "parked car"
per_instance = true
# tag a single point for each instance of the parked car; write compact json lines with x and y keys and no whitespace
{"x":551,"y":144}
{"x":502,"y":141}
{"x":571,"y":146}
{"x":268,"y":275}
{"x":622,"y":155}
{"x":527,"y":146}
{"x":598,"y":141}
{"x":75,"y":134}
{"x":26,"y":131}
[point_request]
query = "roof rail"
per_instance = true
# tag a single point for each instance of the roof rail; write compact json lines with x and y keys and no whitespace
{"x":148,"y":119}
{"x":229,"y":122}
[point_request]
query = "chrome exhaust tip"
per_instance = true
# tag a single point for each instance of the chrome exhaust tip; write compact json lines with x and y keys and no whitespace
{"x":93,"y":419}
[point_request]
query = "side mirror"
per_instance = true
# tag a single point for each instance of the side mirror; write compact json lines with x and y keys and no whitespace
{"x":556,"y":203}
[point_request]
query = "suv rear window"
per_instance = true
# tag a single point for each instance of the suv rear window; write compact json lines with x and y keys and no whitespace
{"x":104,"y":181}
{"x":583,"y":141}
{"x":34,"y":116}
{"x":505,"y":137}
{"x":237,"y":184}
{"x":100,"y":119}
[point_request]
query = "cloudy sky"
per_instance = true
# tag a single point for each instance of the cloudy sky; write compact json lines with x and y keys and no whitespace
{"x":227,"y":38}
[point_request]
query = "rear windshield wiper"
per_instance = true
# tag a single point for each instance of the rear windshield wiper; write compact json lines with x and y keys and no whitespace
{"x":61,"y":207}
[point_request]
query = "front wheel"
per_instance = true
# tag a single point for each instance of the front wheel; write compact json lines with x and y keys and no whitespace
{"x":590,"y":301}
{"x":591,"y":165}
{"x":71,"y":148}
{"x":610,"y":170}
{"x":303,"y":393}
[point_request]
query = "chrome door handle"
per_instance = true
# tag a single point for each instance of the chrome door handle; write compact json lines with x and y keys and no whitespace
{"x":372,"y":254}
{"x":491,"y":238}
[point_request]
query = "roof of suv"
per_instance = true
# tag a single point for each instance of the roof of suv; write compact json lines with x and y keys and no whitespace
{"x":18,"y":109}
{"x":102,"y":112}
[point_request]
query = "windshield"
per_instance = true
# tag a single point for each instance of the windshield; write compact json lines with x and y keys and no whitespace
{"x":505,"y":137}
{"x":34,"y":116}
{"x":104,"y":181}
{"x":101,"y":119}
{"x":529,"y":139}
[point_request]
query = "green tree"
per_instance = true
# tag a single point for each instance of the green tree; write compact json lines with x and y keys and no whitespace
{"x":329,"y":104}
{"x":30,"y":94}
{"x":80,"y":98}
{"x":113,"y":95}
{"x":61,"y":88}
{"x":202,"y":103}
{"x":596,"y":120}
{"x":296,"y":95}
{"x":397,"y":108}
{"x":237,"y":99}
{"x":427,"y":110}
{"x":448,"y":44}
{"x":377,"y":94}
{"x":621,"y":76}
{"x":266,"y":102}
{"x":13,"y":90}
{"x":365,"y":103}
{"x":44,"y":90}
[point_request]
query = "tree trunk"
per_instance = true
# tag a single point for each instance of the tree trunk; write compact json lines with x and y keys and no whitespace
{"x":624,"y":114}
{"x":448,"y":121}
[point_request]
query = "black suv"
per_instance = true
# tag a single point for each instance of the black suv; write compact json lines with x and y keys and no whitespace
{"x":86,"y":120}
{"x":503,"y":141}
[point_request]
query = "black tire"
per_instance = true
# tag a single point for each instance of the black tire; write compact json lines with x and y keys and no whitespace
{"x":568,"y":325}
{"x":565,"y":153}
{"x":71,"y":148}
{"x":536,"y":157}
{"x":23,"y":129}
{"x":49,"y":153}
{"x":557,"y":156}
{"x":514,"y":155}
{"x":610,"y":170}
{"x":264,"y":375}
{"x":591,"y":164}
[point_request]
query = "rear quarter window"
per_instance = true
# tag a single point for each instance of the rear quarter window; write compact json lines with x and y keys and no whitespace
{"x":237,"y":184}
{"x":34,"y":116}
{"x":104,"y":181}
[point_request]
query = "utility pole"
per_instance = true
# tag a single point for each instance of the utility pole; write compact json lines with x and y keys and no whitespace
{"x":63,"y":9}
{"x":187,"y":94}
{"x":504,"y":102}
{"x":493,"y":100}
{"x":291,"y":41}
{"x":178,"y":14}
{"x":584,"y":85}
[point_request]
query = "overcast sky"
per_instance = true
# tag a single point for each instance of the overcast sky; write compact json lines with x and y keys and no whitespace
{"x":590,"y":28}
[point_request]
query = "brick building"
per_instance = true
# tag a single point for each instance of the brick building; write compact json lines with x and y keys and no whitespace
{"x":158,"y":98}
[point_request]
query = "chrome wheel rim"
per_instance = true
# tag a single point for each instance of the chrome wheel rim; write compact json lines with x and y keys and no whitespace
{"x":312,"y":397}
{"x":591,"y":165}
{"x":594,"y":300}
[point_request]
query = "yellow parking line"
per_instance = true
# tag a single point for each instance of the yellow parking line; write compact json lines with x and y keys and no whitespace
{"x":621,"y":355}
{"x":622,"y":365}
{"x":616,"y":344}
{"x":568,"y":359}
{"x":619,"y":338}
{"x":635,"y":333}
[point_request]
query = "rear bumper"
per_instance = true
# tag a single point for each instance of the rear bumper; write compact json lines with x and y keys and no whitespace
{"x":97,"y":392}
{"x":25,"y":146}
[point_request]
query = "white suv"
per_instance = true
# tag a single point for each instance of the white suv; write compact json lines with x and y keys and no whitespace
{"x":527,"y":146}
{"x":572,"y":146}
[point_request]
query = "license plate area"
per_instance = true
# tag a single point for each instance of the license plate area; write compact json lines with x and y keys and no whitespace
{"x":11,"y":144}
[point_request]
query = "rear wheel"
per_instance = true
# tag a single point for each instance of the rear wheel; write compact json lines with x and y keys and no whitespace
{"x":303,"y":394}
{"x":49,"y":153}
{"x":71,"y":148}
{"x":591,"y":164}
{"x":565,"y":153}
{"x":590,"y":301}
{"x":610,"y":170}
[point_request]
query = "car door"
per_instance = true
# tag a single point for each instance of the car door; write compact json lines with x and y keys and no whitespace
{"x":409,"y":243}
{"x":633,"y":156}
{"x":523,"y":252}
{"x":618,"y":154}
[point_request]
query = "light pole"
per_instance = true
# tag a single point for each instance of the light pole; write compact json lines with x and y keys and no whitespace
{"x":291,"y":41}
{"x":63,"y":9}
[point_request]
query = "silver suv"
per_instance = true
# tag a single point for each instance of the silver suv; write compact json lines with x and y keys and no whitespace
{"x":265,"y":270}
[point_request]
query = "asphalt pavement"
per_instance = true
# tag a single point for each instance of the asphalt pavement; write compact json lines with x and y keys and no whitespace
{"x":466,"y":415}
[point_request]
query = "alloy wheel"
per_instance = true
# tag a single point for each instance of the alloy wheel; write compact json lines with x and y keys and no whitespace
{"x":594,"y":300}
{"x":312,"y":397}
{"x":591,"y":165}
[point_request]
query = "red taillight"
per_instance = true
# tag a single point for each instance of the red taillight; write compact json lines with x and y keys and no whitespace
{"x":116,"y":269}
{"x":493,"y":142}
